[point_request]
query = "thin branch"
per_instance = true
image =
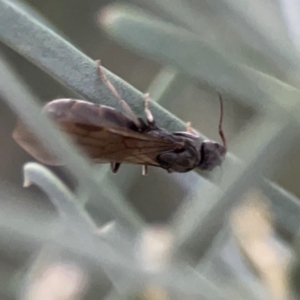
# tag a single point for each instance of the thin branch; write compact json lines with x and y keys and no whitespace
{"x":69,"y":208}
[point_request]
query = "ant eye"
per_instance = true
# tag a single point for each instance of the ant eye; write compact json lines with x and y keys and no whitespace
{"x":179,"y":150}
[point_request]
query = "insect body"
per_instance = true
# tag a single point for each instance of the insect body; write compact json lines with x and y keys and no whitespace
{"x":108,"y":135}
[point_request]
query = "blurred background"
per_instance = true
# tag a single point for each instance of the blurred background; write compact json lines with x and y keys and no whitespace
{"x":159,"y":196}
{"x":194,"y":102}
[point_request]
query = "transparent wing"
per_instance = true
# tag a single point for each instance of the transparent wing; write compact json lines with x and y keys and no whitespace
{"x":103,"y":133}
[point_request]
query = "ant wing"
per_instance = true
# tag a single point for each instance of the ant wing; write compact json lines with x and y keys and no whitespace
{"x":103,"y":133}
{"x":104,"y":144}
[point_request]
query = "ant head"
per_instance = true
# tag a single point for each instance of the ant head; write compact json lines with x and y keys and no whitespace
{"x":212,"y":155}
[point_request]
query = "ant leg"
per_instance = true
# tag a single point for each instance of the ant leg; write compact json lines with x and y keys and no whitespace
{"x":144,"y":170}
{"x":148,"y":113}
{"x":189,"y":127}
{"x":114,"y":166}
{"x":124,"y":105}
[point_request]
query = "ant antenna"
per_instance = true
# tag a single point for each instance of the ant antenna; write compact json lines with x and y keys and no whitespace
{"x":221,"y":132}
